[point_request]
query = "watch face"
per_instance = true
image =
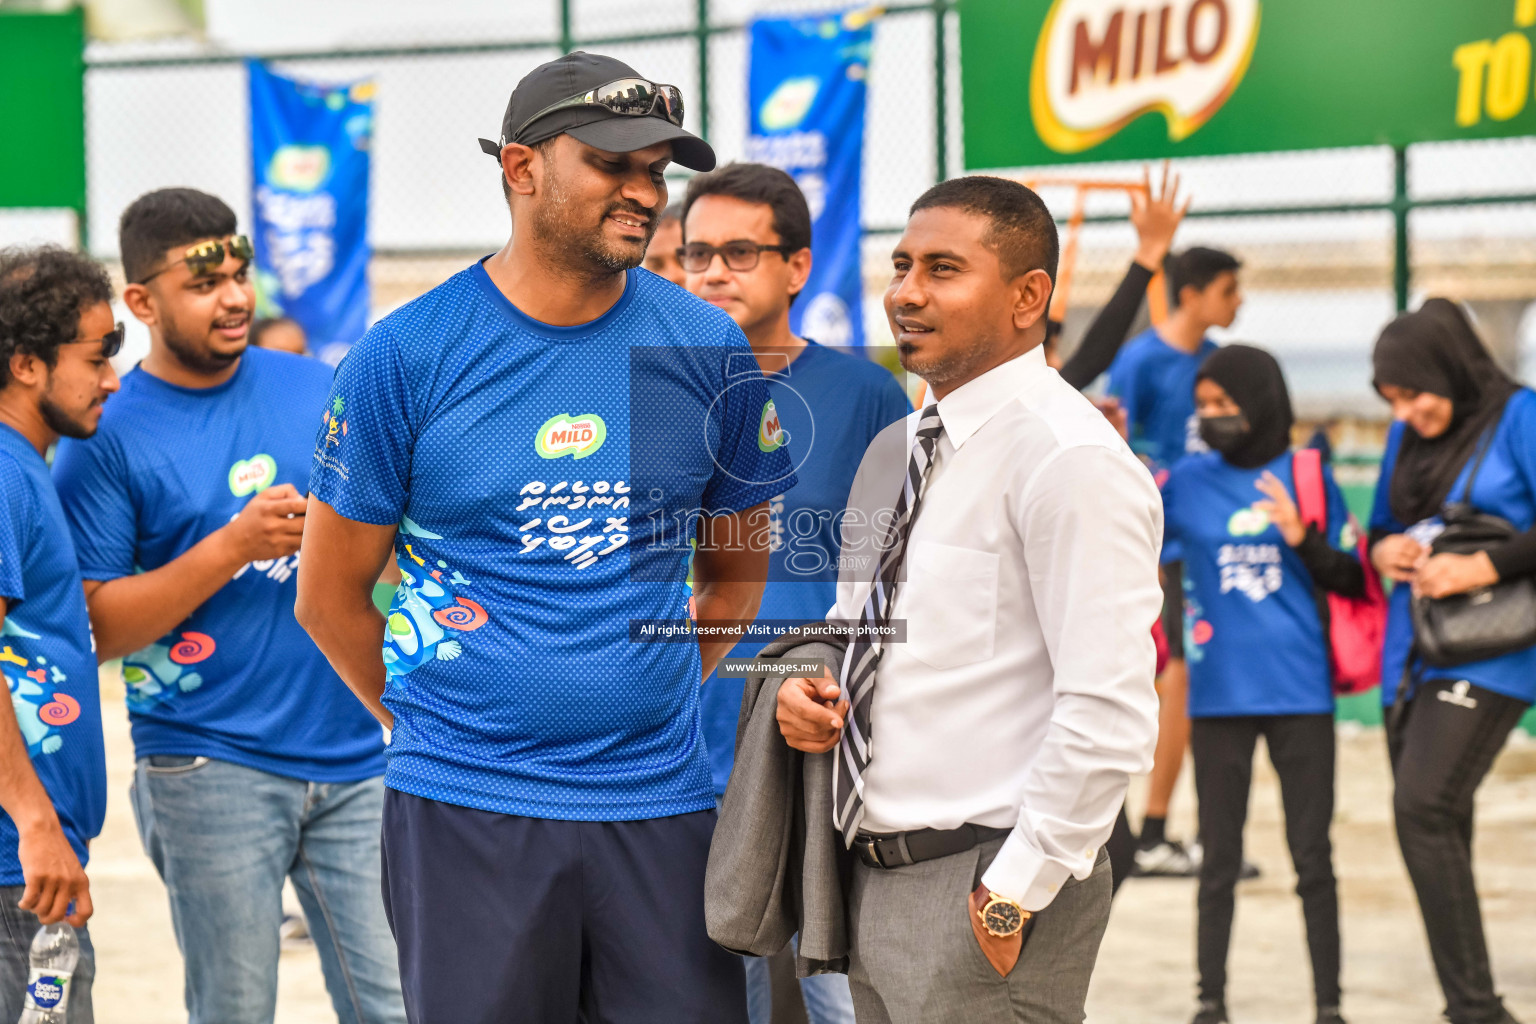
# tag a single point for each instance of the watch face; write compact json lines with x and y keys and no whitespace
{"x":1003,"y":918}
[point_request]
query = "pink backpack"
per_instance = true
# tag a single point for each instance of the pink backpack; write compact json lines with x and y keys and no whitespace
{"x":1356,"y":625}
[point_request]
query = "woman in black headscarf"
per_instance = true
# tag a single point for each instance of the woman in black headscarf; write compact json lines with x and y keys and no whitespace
{"x":1456,"y":411}
{"x":1258,"y":658}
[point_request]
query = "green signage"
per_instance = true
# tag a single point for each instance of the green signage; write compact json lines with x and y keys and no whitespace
{"x":42,"y":109}
{"x":1055,"y":81}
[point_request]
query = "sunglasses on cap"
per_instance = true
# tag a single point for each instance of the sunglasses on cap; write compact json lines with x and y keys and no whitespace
{"x":206,"y":257}
{"x":629,"y":97}
{"x":111,"y":342}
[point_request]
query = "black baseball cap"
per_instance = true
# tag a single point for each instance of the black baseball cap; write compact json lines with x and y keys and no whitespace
{"x":572,"y":75}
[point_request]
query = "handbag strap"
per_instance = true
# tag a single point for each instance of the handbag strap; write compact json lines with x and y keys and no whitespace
{"x":1484,"y":446}
{"x":1311,"y":501}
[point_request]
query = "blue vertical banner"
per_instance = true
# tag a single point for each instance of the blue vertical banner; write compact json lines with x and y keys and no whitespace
{"x":309,"y":178}
{"x":806,"y":91}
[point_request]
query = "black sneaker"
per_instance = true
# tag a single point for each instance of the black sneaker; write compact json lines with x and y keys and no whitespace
{"x":1329,"y":1015}
{"x":1211,"y":1012}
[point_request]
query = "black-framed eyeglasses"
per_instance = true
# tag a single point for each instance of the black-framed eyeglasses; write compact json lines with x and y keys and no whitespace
{"x":631,"y":97}
{"x":695,"y":257}
{"x":111,"y":342}
{"x":206,"y":257}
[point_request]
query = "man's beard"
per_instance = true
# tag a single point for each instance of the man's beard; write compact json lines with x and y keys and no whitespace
{"x":194,"y":357}
{"x":586,"y":253}
{"x":60,"y":422}
{"x":953,"y":365}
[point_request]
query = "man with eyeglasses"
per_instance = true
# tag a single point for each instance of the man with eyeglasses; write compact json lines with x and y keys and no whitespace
{"x":747,"y":232}
{"x":255,"y":765}
{"x":56,"y":340}
{"x":539,"y":442}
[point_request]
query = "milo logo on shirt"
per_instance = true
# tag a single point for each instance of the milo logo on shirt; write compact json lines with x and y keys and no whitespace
{"x":770,"y":432}
{"x":576,"y":436}
{"x":252,"y":476}
{"x":1248,"y":522}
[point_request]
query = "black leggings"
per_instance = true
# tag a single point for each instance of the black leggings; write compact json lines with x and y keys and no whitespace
{"x":1442,"y":743}
{"x":1301,"y":747}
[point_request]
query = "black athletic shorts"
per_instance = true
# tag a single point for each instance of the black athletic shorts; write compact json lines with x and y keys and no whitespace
{"x":1173,"y":607}
{"x":505,"y":918}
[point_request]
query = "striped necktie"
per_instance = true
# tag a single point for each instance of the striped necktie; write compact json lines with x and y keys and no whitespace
{"x":858,"y":679}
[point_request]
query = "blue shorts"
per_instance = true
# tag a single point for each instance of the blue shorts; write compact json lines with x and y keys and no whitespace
{"x":500,"y":917}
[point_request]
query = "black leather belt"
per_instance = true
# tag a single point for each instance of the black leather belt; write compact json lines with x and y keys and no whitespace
{"x":896,"y":849}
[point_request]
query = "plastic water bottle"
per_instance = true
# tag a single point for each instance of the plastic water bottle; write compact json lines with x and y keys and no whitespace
{"x":55,"y":951}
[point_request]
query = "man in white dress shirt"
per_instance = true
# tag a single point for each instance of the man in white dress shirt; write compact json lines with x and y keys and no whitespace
{"x":982,"y":760}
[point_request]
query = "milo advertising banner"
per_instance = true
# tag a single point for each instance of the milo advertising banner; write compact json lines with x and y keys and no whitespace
{"x":1053,"y":81}
{"x":805,"y":94}
{"x":309,"y":151}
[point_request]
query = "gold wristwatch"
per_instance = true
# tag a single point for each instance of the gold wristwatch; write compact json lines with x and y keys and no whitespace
{"x":1001,"y":916}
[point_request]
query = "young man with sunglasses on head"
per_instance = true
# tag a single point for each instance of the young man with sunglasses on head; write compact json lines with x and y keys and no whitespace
{"x":538,"y":441}
{"x":255,"y":765}
{"x":56,"y":340}
{"x":747,"y":250}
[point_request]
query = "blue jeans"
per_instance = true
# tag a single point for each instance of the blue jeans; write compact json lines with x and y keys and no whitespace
{"x":224,"y":838}
{"x":17,"y":927}
{"x":827,"y":999}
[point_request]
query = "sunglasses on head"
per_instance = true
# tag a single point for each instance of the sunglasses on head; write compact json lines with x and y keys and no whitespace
{"x":206,"y":257}
{"x":630,"y":97}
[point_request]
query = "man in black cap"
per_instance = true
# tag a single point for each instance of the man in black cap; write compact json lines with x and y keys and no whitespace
{"x":541,"y":440}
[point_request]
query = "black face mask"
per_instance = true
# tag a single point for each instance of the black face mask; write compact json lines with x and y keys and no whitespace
{"x":1224,"y":434}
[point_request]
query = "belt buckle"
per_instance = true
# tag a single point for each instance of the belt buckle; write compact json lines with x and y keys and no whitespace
{"x":869,"y":849}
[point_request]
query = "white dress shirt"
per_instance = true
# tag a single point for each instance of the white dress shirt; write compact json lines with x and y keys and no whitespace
{"x":1022,"y":697}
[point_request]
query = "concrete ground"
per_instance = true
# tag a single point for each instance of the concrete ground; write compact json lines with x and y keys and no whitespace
{"x":1146,"y":967}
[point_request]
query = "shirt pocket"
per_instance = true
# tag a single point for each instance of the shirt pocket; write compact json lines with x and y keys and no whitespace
{"x":950,"y":604}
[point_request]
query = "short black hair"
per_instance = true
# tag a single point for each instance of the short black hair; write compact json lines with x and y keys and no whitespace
{"x":43,"y":291}
{"x":1023,"y":232}
{"x":1196,"y":267}
{"x":674,"y":211}
{"x":168,"y":217}
{"x":758,"y":183}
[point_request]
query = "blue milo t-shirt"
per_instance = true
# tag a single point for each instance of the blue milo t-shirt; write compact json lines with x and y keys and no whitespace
{"x":831,"y":405}
{"x":547,"y":481}
{"x":1252,"y":634}
{"x":239,"y":680}
{"x":46,"y":652}
{"x":1505,"y":487}
{"x":1155,"y":384}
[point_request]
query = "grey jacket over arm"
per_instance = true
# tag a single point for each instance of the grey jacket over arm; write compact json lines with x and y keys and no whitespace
{"x":777,"y":864}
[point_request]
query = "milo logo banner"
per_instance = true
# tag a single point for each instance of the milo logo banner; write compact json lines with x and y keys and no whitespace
{"x":805,"y":94}
{"x":309,"y":151}
{"x":1053,"y":81}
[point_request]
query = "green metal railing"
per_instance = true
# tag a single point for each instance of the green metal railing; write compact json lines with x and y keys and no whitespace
{"x":1400,"y":205}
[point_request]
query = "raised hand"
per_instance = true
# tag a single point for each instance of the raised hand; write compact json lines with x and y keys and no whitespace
{"x":1156,"y":217}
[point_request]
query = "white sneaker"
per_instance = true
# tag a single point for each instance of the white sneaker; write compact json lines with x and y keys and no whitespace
{"x":1197,"y":857}
{"x":1167,"y":859}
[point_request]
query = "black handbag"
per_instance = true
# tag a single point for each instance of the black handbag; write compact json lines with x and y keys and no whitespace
{"x":1482,"y":623}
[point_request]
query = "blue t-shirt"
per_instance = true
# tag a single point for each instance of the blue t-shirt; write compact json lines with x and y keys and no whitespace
{"x":239,"y":680}
{"x":1155,"y":384}
{"x":547,"y":481}
{"x":831,"y":405}
{"x":1252,"y":634}
{"x":1505,"y":487}
{"x":47,"y":654}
